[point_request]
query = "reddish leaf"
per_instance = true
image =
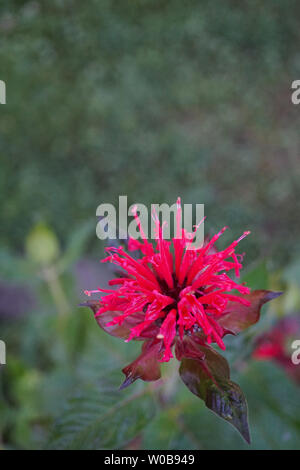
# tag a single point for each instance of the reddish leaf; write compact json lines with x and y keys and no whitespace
{"x":206,"y":358}
{"x":188,"y":347}
{"x":238,"y":317}
{"x":146,"y":367}
{"x":123,"y":330}
{"x":208,"y":377}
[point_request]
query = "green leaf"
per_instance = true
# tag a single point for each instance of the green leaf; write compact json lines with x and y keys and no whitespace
{"x":209,"y":379}
{"x":102,"y":417}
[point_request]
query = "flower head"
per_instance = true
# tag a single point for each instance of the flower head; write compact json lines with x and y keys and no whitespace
{"x":175,"y":297}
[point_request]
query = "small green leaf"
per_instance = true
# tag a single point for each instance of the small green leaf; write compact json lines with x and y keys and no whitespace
{"x":209,"y":379}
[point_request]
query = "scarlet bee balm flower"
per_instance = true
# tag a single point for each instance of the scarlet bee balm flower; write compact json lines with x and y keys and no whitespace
{"x":177,"y":298}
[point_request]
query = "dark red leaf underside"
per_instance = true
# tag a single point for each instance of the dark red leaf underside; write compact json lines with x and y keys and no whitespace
{"x":238,"y":317}
{"x":208,"y":377}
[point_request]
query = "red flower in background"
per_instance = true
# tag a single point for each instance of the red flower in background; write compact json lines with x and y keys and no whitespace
{"x":176,"y":297}
{"x":276,"y":345}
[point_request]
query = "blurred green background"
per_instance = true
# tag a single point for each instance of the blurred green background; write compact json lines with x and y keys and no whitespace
{"x":152,"y":99}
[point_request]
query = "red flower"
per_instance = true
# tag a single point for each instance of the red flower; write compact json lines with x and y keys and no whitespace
{"x":276,"y":345}
{"x":177,"y":296}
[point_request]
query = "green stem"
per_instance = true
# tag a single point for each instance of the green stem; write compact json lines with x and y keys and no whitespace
{"x":51,"y":277}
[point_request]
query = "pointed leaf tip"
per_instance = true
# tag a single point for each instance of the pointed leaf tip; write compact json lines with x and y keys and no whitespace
{"x":228,"y":401}
{"x":128,"y":381}
{"x":94,"y":305}
{"x":272,"y":295}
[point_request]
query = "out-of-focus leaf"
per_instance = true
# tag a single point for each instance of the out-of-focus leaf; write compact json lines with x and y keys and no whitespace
{"x":258,"y":277}
{"x":292,"y":272}
{"x":14,"y":268}
{"x":121,"y":330}
{"x":237,"y":317}
{"x":168,"y":431}
{"x":101,"y":417}
{"x":76,"y":244}
{"x":209,"y":379}
{"x":291,"y":301}
{"x":274,"y":403}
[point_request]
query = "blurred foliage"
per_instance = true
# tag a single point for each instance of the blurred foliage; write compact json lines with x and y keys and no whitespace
{"x":152,"y":100}
{"x":102,"y":417}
